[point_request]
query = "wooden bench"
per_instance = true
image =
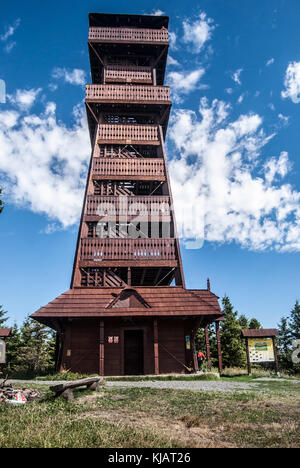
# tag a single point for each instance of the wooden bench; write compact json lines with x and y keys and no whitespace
{"x":66,"y":389}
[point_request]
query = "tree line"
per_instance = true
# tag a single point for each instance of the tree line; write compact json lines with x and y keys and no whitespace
{"x":30,"y":350}
{"x":31,"y":347}
{"x":233,"y":345}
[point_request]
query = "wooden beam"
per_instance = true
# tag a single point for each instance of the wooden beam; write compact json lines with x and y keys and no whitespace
{"x":207,"y":348}
{"x":92,"y":112}
{"x":157,"y":276}
{"x":154,"y":76}
{"x":164,"y":50}
{"x":275,"y":355}
{"x":96,"y":53}
{"x":129,"y":276}
{"x":248,"y":357}
{"x":220,"y":361}
{"x":101,"y":349}
{"x":156,"y":350}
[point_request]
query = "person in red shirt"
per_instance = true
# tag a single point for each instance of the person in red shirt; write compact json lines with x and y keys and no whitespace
{"x":201,"y":357}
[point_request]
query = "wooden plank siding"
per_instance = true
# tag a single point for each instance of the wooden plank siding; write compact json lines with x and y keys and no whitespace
{"x":143,"y":94}
{"x":139,"y":35}
{"x":128,"y":134}
{"x":123,"y":169}
{"x":128,"y":110}
{"x":82,"y":353}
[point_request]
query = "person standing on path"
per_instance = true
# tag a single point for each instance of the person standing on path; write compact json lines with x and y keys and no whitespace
{"x":201,"y":358}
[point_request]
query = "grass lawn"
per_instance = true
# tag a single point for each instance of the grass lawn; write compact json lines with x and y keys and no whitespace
{"x":267,"y":416}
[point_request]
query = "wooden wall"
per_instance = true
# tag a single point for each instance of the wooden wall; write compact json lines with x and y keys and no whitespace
{"x":81,"y":345}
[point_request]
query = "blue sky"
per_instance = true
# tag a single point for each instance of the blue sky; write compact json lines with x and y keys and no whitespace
{"x":233,"y":146}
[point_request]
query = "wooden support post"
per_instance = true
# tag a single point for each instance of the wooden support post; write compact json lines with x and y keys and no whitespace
{"x":154,"y":76}
{"x":207,"y":348}
{"x":65,"y":340}
{"x":58,"y":349}
{"x":275,"y":356}
{"x":129,"y":276}
{"x":156,"y":351}
{"x":194,"y":351}
{"x":248,"y":357}
{"x":220,"y":362}
{"x":101,"y":348}
{"x":58,"y":363}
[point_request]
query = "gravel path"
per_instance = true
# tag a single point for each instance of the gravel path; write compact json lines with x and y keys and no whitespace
{"x":210,"y":386}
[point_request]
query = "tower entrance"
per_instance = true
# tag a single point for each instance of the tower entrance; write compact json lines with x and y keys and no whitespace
{"x":133,"y":352}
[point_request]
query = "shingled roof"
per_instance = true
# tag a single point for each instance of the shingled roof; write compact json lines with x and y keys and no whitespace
{"x":262,"y":333}
{"x":5,"y":332}
{"x":161,"y":301}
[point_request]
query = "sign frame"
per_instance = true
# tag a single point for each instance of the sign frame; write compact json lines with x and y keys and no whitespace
{"x":260,"y":336}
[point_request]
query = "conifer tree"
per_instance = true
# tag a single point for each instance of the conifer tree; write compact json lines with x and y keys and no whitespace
{"x":3,"y":319}
{"x":12,"y":350}
{"x":36,"y":348}
{"x":243,"y":321}
{"x":233,"y":347}
{"x":254,"y":324}
{"x":294,"y":322}
{"x":284,"y":343}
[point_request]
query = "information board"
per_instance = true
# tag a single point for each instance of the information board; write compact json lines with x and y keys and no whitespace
{"x":261,"y":350}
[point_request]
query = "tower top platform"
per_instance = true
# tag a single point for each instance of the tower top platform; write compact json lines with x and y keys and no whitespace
{"x":134,"y":21}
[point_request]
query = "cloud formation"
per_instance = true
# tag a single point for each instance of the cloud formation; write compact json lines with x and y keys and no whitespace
{"x":74,"y":77}
{"x":292,"y":82}
{"x":220,"y":169}
{"x":24,"y":98}
{"x":43,"y":162}
{"x":270,"y":62}
{"x":236,"y":76}
{"x":183,"y":83}
{"x":197,"y":33}
{"x":5,"y":38}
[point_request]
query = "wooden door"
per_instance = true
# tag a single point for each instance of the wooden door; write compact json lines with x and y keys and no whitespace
{"x":133,"y":352}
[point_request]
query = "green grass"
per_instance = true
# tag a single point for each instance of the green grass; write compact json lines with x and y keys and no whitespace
{"x":266,"y":416}
{"x":64,"y":376}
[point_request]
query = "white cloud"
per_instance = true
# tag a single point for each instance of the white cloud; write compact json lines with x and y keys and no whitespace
{"x":172,"y":61}
{"x":220,"y":169}
{"x":279,"y":167}
{"x":270,"y":62}
{"x":229,"y":90}
{"x":157,"y":12}
{"x":198,"y":32}
{"x":25,"y":99}
{"x":10,"y":31}
{"x":236,"y":76}
{"x":172,"y":40}
{"x":9,"y":47}
{"x":292,"y":82}
{"x":184,"y":83}
{"x":75,"y":76}
{"x":43,"y":163}
{"x":284,"y":119}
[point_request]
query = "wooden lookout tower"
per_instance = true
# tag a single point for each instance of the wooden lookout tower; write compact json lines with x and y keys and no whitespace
{"x":127,"y":310}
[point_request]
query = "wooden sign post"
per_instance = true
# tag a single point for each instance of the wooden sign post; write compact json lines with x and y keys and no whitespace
{"x":260,"y":347}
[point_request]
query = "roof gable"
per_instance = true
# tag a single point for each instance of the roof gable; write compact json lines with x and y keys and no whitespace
{"x":128,"y":298}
